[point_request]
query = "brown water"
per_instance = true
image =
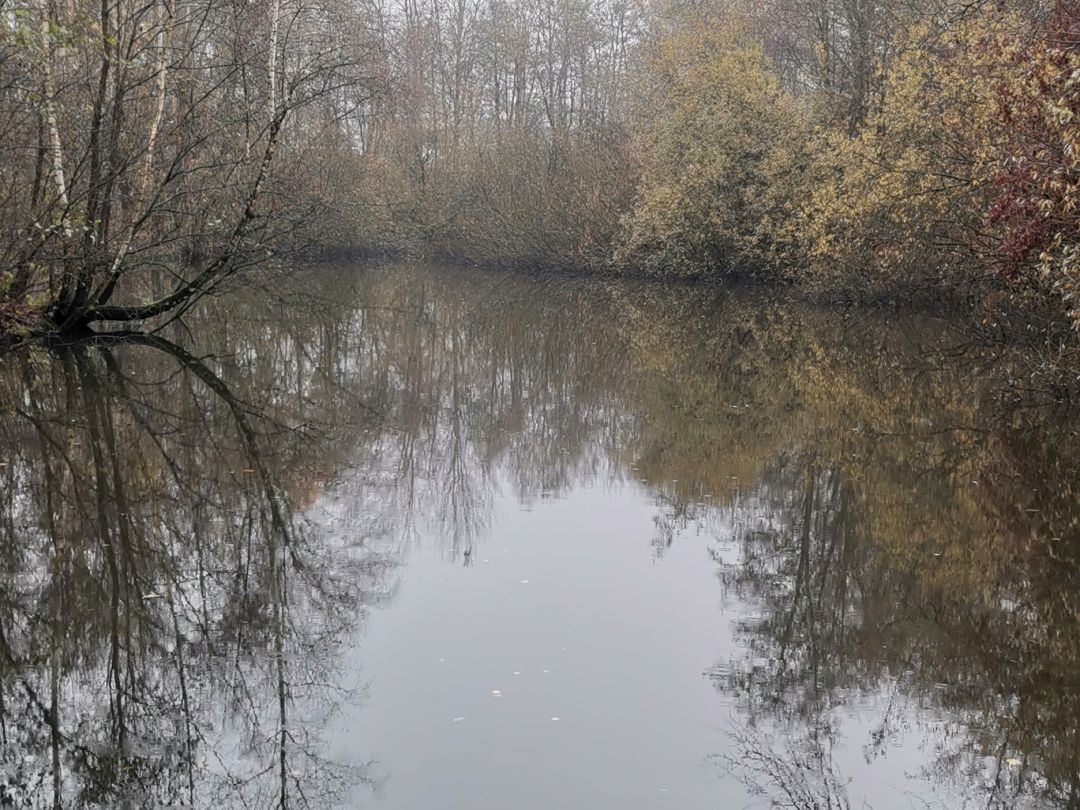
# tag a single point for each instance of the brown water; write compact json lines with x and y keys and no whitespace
{"x":425,"y":538}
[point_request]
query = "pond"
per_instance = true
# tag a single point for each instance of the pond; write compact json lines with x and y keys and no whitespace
{"x":412,"y":537}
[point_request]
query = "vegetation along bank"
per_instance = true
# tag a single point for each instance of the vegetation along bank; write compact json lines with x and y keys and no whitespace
{"x":860,"y":148}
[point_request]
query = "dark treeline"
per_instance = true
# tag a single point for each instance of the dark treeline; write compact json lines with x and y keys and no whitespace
{"x":152,"y":150}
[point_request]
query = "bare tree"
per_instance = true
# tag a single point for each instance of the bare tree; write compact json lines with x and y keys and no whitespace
{"x":153,"y":181}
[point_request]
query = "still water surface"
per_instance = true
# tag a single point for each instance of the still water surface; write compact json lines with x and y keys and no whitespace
{"x":417,"y":538}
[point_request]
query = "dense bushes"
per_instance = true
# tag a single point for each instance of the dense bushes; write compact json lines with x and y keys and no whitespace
{"x":523,"y":199}
{"x":959,"y":172}
{"x":903,"y":203}
{"x":1036,"y":208}
{"x":855,"y":149}
{"x":712,"y":113}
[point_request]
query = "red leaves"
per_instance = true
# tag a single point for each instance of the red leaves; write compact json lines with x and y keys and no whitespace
{"x":1034,"y":204}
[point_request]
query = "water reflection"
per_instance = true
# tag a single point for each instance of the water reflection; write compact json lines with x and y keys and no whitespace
{"x":164,"y":617}
{"x":193,"y":527}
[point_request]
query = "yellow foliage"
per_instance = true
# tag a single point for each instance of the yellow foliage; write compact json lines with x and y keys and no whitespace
{"x":904,"y":201}
{"x":713,"y":113}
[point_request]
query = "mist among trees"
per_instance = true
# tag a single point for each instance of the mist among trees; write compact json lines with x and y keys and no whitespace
{"x":153,"y":150}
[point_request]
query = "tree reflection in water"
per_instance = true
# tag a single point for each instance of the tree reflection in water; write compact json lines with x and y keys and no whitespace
{"x":189,"y":540}
{"x":165,"y":621}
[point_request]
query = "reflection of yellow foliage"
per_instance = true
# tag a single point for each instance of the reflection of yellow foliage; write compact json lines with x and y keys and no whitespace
{"x":755,"y":381}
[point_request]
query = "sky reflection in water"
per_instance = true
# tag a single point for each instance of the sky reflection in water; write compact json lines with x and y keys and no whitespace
{"x":362,"y":542}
